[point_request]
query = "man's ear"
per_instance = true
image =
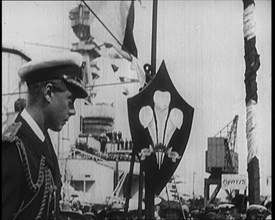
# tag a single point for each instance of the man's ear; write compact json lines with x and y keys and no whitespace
{"x":48,"y":91}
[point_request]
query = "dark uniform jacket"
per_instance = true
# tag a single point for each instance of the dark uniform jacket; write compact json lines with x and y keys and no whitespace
{"x":31,"y":180}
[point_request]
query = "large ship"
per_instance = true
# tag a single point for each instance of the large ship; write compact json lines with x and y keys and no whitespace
{"x":95,"y":168}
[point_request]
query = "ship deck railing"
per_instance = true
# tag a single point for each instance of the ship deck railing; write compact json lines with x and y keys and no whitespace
{"x":84,"y":155}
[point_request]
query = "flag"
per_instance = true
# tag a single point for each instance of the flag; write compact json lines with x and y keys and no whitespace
{"x":129,"y":42}
{"x":118,"y":18}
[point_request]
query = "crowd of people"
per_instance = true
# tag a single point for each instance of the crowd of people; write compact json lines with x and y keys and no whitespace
{"x":230,"y":212}
{"x":168,"y":211}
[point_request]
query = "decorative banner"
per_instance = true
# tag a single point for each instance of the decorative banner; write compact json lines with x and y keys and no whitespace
{"x":160,"y":124}
{"x":252,"y":134}
{"x":252,"y":64}
{"x":234,"y":181}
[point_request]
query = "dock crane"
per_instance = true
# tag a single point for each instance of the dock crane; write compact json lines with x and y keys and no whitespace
{"x":221,"y":158}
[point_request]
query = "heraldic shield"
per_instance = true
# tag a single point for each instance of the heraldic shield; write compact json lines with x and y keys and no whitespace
{"x":160,"y":123}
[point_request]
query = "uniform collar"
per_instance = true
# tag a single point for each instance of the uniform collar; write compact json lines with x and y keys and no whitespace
{"x":34,"y":126}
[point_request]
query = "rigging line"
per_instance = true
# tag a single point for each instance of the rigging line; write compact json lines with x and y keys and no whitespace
{"x":47,"y":45}
{"x":125,"y":49}
{"x":168,"y":197}
{"x":111,"y":84}
{"x":7,"y":102}
{"x":226,"y":126}
{"x":106,"y":28}
{"x":13,"y":93}
{"x":184,"y":217}
{"x":87,"y":87}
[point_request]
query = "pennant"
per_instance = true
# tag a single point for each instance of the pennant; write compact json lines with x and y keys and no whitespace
{"x":129,"y":42}
{"x":137,"y":67}
{"x":115,"y":68}
{"x":118,"y":17}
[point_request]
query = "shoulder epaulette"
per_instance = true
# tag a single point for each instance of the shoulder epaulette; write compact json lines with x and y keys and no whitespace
{"x":11,"y":132}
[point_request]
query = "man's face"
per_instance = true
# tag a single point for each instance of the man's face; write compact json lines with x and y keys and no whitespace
{"x":61,"y":108}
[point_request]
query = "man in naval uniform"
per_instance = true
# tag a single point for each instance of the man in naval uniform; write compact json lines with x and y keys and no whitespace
{"x":31,"y":179}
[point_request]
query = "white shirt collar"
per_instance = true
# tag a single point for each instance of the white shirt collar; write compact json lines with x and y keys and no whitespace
{"x":34,"y":126}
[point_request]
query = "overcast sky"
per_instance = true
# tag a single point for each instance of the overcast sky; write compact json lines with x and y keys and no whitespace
{"x":202,"y":45}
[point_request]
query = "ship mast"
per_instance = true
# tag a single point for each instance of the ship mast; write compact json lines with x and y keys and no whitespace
{"x":149,"y":191}
{"x":154,"y":38}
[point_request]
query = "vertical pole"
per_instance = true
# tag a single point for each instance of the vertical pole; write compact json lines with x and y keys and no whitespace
{"x":206,"y":192}
{"x":65,"y":194}
{"x":244,"y":201}
{"x":129,"y":185}
{"x":154,"y":38}
{"x":149,"y":199}
{"x":140,"y":191}
{"x":193,"y":188}
{"x":252,"y":64}
{"x":183,"y":214}
{"x":149,"y":191}
{"x":58,"y":144}
{"x":116,"y":176}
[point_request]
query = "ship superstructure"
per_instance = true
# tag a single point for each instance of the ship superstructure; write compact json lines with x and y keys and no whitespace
{"x":95,"y":168}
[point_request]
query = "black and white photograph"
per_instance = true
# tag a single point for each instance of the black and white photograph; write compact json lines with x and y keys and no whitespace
{"x":136,"y":109}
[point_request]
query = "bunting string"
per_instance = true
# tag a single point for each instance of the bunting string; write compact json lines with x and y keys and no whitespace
{"x":106,"y":28}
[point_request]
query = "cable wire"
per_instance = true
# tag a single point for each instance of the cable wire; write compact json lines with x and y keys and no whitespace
{"x":106,"y":28}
